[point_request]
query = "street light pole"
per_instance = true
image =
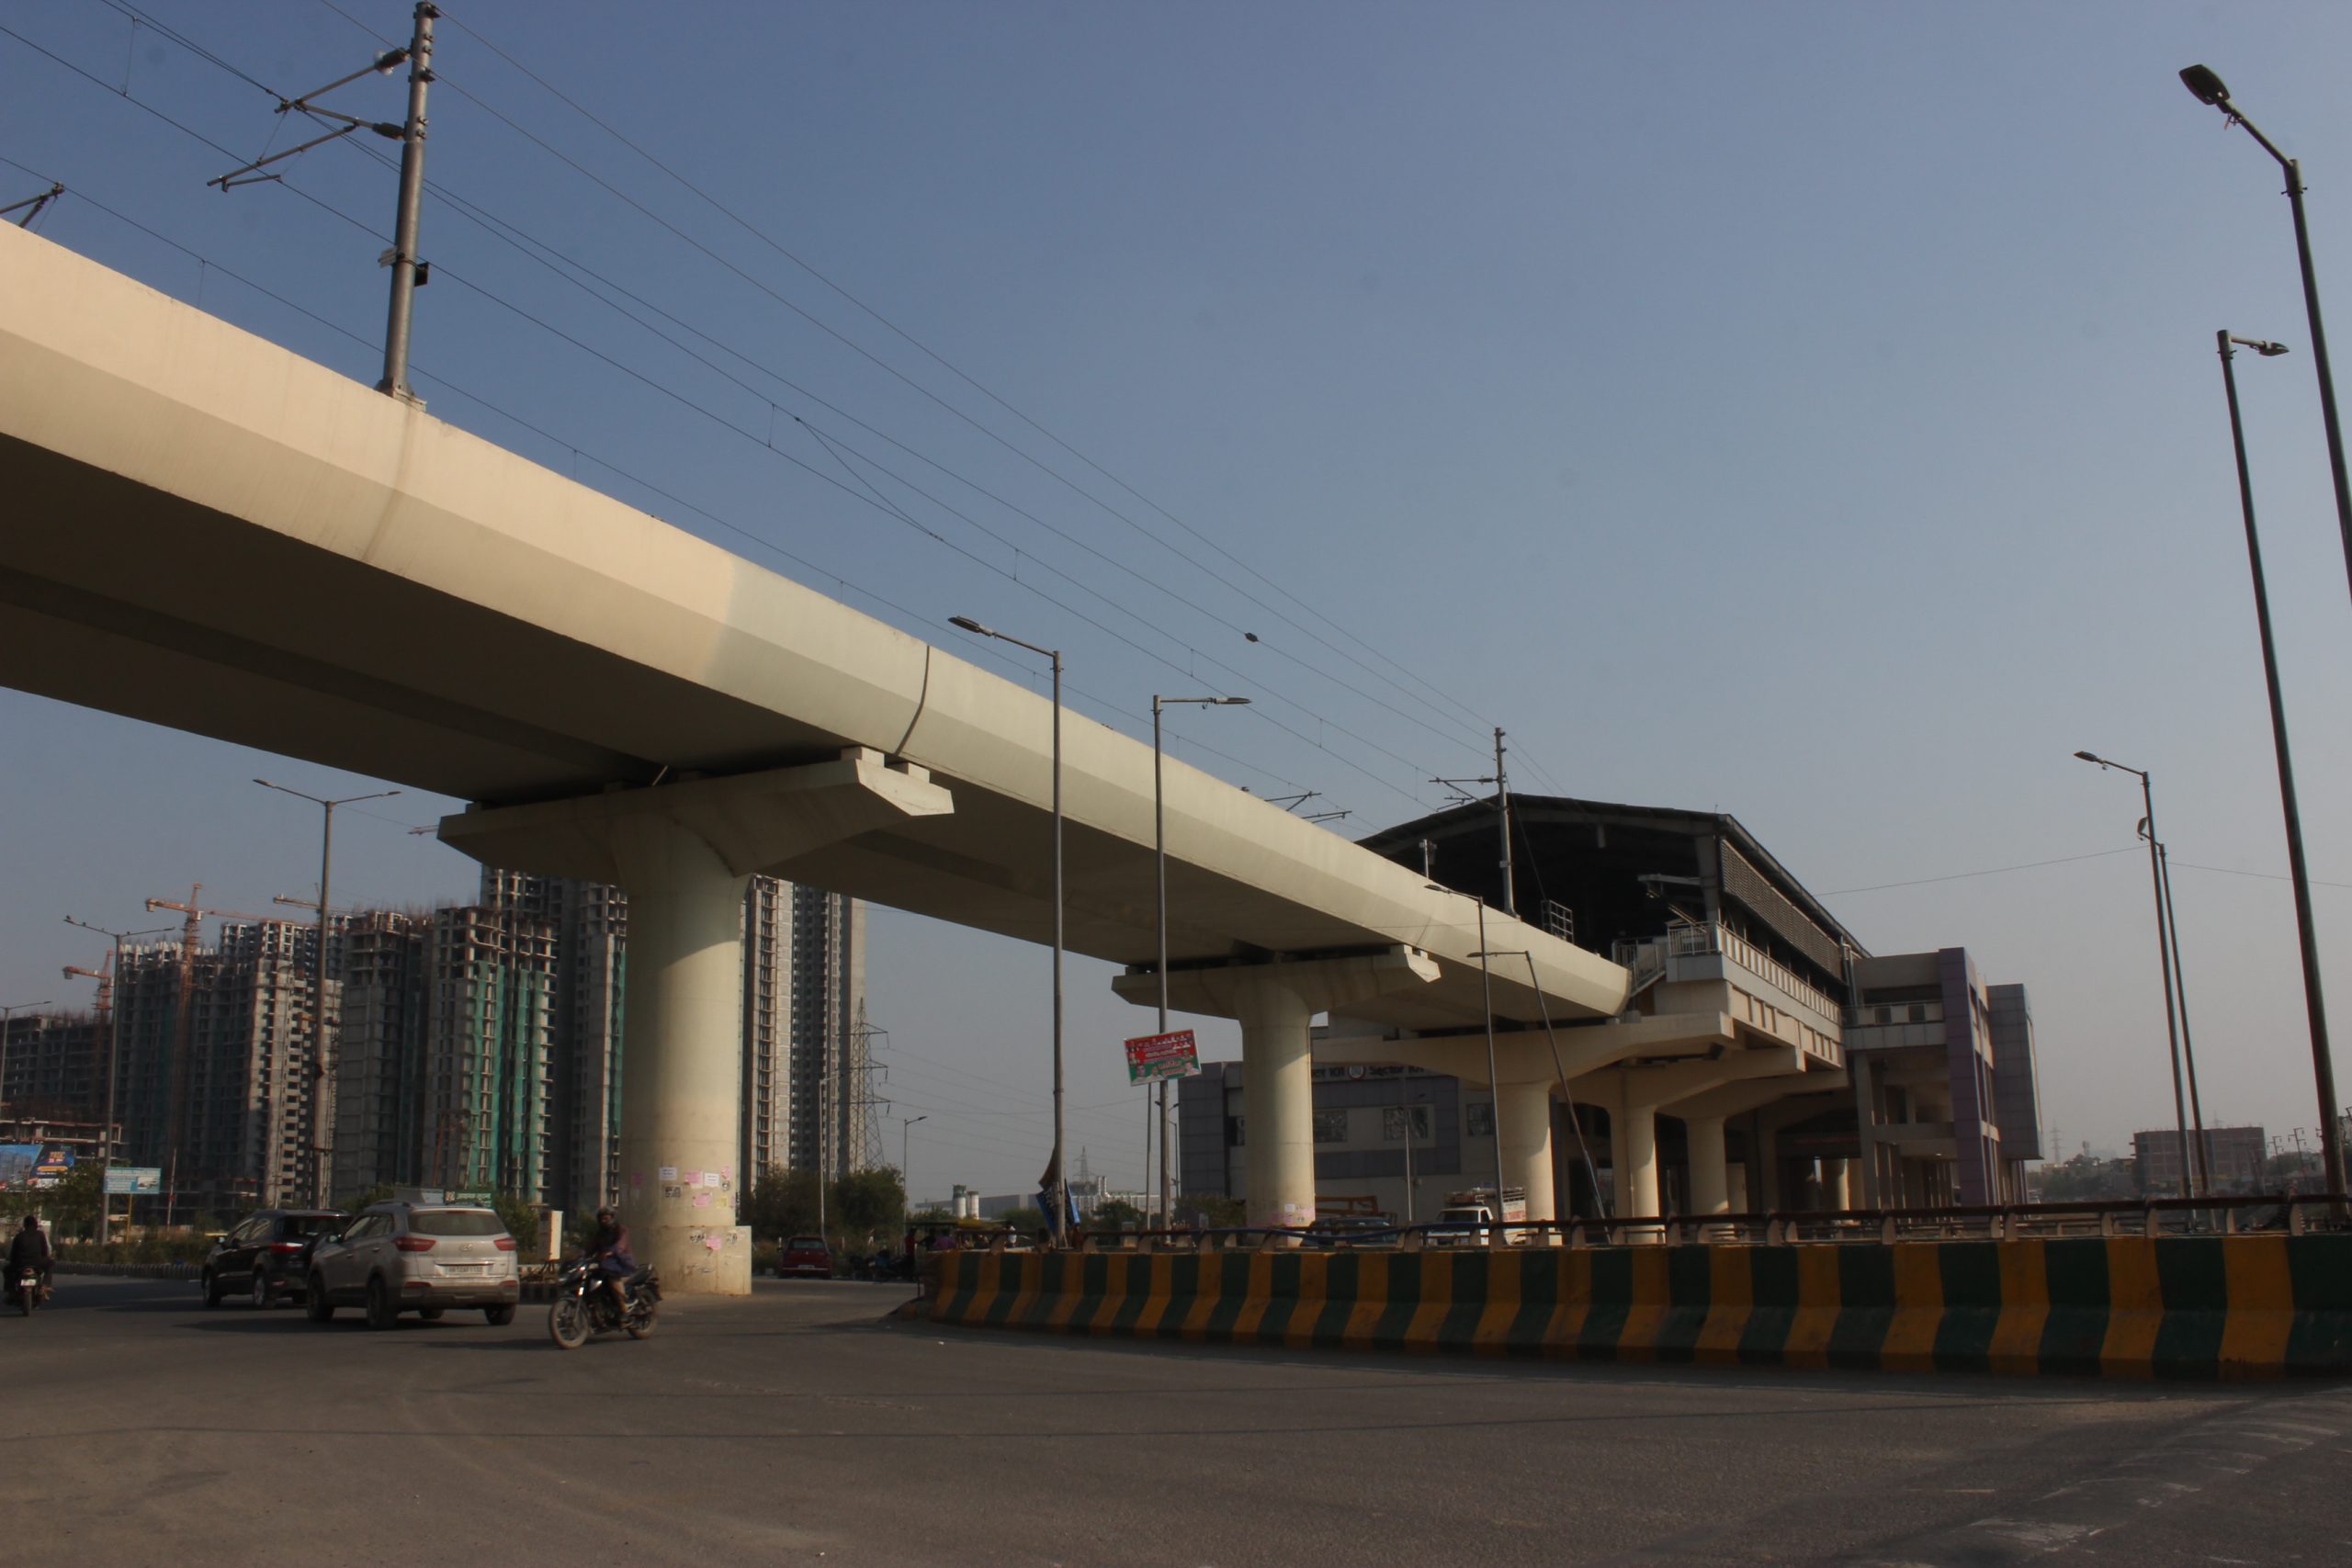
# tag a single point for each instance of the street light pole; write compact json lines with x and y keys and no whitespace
{"x":1057,"y":1223}
{"x":2164,"y":955}
{"x":2315,"y":1004}
{"x":2207,"y":89}
{"x":904,"y":1128}
{"x":322,"y":1080}
{"x":114,"y":1053}
{"x":1494,"y":1078}
{"x":1160,"y":860}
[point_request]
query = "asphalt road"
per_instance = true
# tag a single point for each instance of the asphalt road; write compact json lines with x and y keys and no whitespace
{"x":798,"y":1428}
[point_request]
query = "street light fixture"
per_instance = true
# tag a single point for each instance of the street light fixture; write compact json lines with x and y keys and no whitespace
{"x":2314,"y":1005}
{"x":1494,"y":1078}
{"x":322,"y":1086}
{"x":114,"y":1048}
{"x":1057,"y":1223}
{"x":2164,"y":955}
{"x":2209,"y":89}
{"x":1159,"y":857}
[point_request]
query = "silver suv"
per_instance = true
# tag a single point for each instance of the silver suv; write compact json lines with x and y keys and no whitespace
{"x":397,"y":1258}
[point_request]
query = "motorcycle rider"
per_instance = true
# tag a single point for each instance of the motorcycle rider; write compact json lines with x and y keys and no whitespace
{"x":608,"y":1248}
{"x":28,"y":1248}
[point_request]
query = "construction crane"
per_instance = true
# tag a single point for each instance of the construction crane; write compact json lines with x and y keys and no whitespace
{"x":103,"y":1006}
{"x":191,"y":933}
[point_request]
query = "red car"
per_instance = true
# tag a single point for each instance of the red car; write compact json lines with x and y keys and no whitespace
{"x":805,"y":1255}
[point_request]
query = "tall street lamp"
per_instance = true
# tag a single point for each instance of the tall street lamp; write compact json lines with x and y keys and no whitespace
{"x":7,"y":1016}
{"x":2164,"y":955}
{"x":904,"y":1128}
{"x":322,"y":1086}
{"x":2207,"y":88}
{"x":2314,"y":1005}
{"x":1058,"y":1221}
{"x":114,"y":1050}
{"x":1159,"y":857}
{"x":1494,"y":1078}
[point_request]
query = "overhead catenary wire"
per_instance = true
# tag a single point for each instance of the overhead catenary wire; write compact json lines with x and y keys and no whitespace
{"x":752,"y":538}
{"x":866,"y":492}
{"x":1451,"y":714}
{"x":740,"y":431}
{"x":911,"y":616}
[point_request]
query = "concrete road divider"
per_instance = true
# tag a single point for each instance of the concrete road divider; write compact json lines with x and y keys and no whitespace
{"x":2220,"y":1306}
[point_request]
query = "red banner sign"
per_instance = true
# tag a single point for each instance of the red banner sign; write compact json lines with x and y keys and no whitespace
{"x":1155,"y":1056}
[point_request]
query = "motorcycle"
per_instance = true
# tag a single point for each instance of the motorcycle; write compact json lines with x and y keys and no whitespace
{"x":883,"y":1267}
{"x":28,"y":1292}
{"x":583,"y":1306}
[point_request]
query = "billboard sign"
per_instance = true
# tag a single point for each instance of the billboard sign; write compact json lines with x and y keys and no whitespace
{"x":1151,"y":1057}
{"x":17,"y":1162}
{"x":134,"y":1180}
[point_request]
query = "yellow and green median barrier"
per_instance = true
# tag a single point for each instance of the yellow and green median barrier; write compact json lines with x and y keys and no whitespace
{"x":2219,"y":1306}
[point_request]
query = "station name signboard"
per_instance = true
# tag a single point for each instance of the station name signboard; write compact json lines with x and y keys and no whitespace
{"x":1154,"y":1056}
{"x":134,"y":1180}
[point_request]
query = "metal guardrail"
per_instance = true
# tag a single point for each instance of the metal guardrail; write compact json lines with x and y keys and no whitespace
{"x":2289,"y":1213}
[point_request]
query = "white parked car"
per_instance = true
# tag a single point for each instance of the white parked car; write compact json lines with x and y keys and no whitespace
{"x":397,"y":1258}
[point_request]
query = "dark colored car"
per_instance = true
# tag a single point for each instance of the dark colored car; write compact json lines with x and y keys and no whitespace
{"x":1350,"y":1230}
{"x":267,"y":1255}
{"x":805,"y":1255}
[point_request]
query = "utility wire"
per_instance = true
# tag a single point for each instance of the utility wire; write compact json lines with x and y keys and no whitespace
{"x":721,"y":419}
{"x":1989,"y":871}
{"x":1450,"y":713}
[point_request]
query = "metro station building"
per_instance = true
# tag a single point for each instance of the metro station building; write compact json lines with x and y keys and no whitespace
{"x":1765,"y":1058}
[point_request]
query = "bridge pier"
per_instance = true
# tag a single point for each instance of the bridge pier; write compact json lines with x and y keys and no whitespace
{"x":1703,"y":1118}
{"x":1276,"y":1004}
{"x":1635,"y":1096}
{"x":684,"y":852}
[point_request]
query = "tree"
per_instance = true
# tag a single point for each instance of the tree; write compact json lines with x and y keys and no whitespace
{"x":869,"y":1202}
{"x":380,"y":1193}
{"x":519,"y":1215}
{"x":73,"y":1203}
{"x":1212,"y":1211}
{"x":781,"y":1203}
{"x":2083,"y":1177}
{"x":1113,"y":1214}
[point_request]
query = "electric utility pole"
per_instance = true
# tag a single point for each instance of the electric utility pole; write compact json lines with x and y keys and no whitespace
{"x":409,"y":274}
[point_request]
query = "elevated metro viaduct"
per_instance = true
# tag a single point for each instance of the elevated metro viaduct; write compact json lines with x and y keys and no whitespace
{"x":210,"y":532}
{"x":1750,"y":1006}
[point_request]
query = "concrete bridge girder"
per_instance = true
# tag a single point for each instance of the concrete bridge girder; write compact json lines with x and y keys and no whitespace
{"x":684,"y":855}
{"x":1276,"y":1004}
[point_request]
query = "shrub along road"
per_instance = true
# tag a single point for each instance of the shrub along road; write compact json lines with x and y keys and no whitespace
{"x":796,"y":1427}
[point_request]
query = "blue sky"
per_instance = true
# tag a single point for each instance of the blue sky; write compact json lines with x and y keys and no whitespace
{"x":1804,"y":411}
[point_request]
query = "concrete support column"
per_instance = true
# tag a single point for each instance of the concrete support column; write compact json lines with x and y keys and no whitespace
{"x":1835,"y":1192}
{"x":1278,"y":1087}
{"x":1633,"y":1149}
{"x":1274,"y":1004}
{"x":682,"y":1062}
{"x":1710,"y":1184}
{"x":1524,"y":1113}
{"x":684,"y":852}
{"x":1763,"y":1167}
